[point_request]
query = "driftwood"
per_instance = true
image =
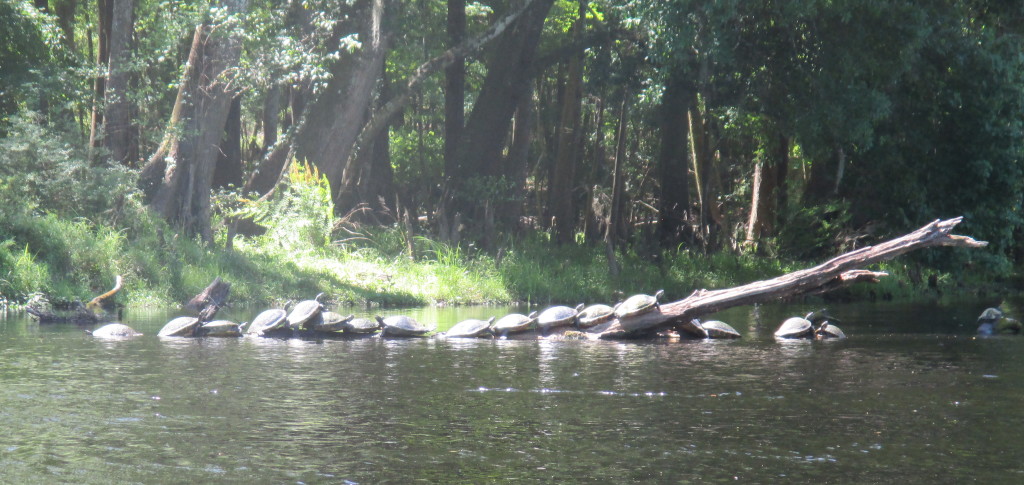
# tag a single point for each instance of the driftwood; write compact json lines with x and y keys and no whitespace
{"x":835,"y":273}
{"x":93,"y":312}
{"x":208,"y":302}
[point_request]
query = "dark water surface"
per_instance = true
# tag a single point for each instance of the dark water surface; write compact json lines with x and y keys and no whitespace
{"x":911,"y":396}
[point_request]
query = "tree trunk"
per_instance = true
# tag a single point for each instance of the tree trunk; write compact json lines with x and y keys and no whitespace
{"x":333,"y":156}
{"x":117,"y":129}
{"x":507,"y":82}
{"x":835,"y":273}
{"x":455,"y":87}
{"x":563,"y":176}
{"x":104,"y":14}
{"x":615,"y":220}
{"x":228,"y":171}
{"x":674,"y":196}
{"x":271,"y":112}
{"x":193,"y":139}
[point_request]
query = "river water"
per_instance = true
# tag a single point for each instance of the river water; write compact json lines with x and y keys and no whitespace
{"x":911,"y":396}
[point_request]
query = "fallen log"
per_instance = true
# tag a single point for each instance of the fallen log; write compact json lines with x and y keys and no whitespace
{"x":838,"y":272}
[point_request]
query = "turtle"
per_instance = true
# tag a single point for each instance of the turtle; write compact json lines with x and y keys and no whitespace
{"x":115,"y":330}
{"x":220,"y":328}
{"x":303,"y":315}
{"x":827,"y":330}
{"x":268,"y":321}
{"x":692,"y":329}
{"x":514,"y":322}
{"x":990,"y":322}
{"x":180,"y":327}
{"x":821,"y":316}
{"x":595,"y":314}
{"x":795,"y":327}
{"x":720,"y":329}
{"x":638,"y":305}
{"x":360,"y":325}
{"x":471,"y":328}
{"x":402,"y":326}
{"x":330,"y":322}
{"x":557,"y":316}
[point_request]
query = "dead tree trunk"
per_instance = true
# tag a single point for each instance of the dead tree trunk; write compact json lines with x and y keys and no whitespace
{"x":835,"y":273}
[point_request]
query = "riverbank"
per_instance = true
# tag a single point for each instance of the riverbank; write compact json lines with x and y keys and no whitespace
{"x":73,"y":260}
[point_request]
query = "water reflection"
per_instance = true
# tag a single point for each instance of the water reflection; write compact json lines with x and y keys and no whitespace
{"x":910,"y":396}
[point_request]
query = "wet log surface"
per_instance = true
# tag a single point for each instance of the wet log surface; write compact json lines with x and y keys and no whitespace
{"x":830,"y":275}
{"x":208,"y":302}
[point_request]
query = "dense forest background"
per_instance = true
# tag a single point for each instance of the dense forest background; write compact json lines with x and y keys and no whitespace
{"x":637,"y":132}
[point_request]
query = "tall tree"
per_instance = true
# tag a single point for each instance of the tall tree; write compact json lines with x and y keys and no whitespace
{"x":455,"y":87}
{"x":187,"y":157}
{"x":674,"y":195}
{"x":117,"y":136}
{"x":563,"y":175}
{"x":509,"y":69}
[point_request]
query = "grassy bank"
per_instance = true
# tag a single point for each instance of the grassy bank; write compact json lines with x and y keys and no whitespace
{"x":69,"y":260}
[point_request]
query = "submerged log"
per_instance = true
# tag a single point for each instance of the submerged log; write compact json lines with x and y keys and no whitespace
{"x":93,"y":312}
{"x":835,"y":273}
{"x":208,"y":302}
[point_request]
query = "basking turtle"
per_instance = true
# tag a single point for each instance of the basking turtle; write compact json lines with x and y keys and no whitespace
{"x":557,"y":316}
{"x":692,"y":329}
{"x":828,"y":330}
{"x":219,"y":328}
{"x":180,"y":327}
{"x":115,"y":330}
{"x":360,"y":326}
{"x":303,"y":316}
{"x":268,"y":321}
{"x":796,"y":327}
{"x":719,"y":329}
{"x":514,"y":322}
{"x":595,"y":314}
{"x":471,"y":328}
{"x":821,"y":316}
{"x":402,"y":326}
{"x":994,"y":320}
{"x":638,"y":305}
{"x":330,"y":322}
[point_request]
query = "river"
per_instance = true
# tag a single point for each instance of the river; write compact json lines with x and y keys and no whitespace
{"x":910,"y":397}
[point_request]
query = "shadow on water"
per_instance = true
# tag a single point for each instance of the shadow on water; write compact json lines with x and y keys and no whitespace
{"x":911,"y":396}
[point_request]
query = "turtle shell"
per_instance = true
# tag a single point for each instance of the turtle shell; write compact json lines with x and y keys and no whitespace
{"x":719,"y":329}
{"x":403,"y":326}
{"x":595,"y":314}
{"x":821,"y":316}
{"x":115,"y":330}
{"x":330,"y":322}
{"x":827,"y":330}
{"x":990,"y":315}
{"x":360,"y":325}
{"x":268,"y":321}
{"x":638,"y":305}
{"x":795,"y":327}
{"x":692,"y":329}
{"x":558,"y":316}
{"x":180,"y":327}
{"x":303,"y":315}
{"x":514,"y":322}
{"x":220,"y":328}
{"x":471,"y":328}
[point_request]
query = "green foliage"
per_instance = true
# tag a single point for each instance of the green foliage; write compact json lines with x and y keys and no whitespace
{"x":300,"y":215}
{"x":44,"y":171}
